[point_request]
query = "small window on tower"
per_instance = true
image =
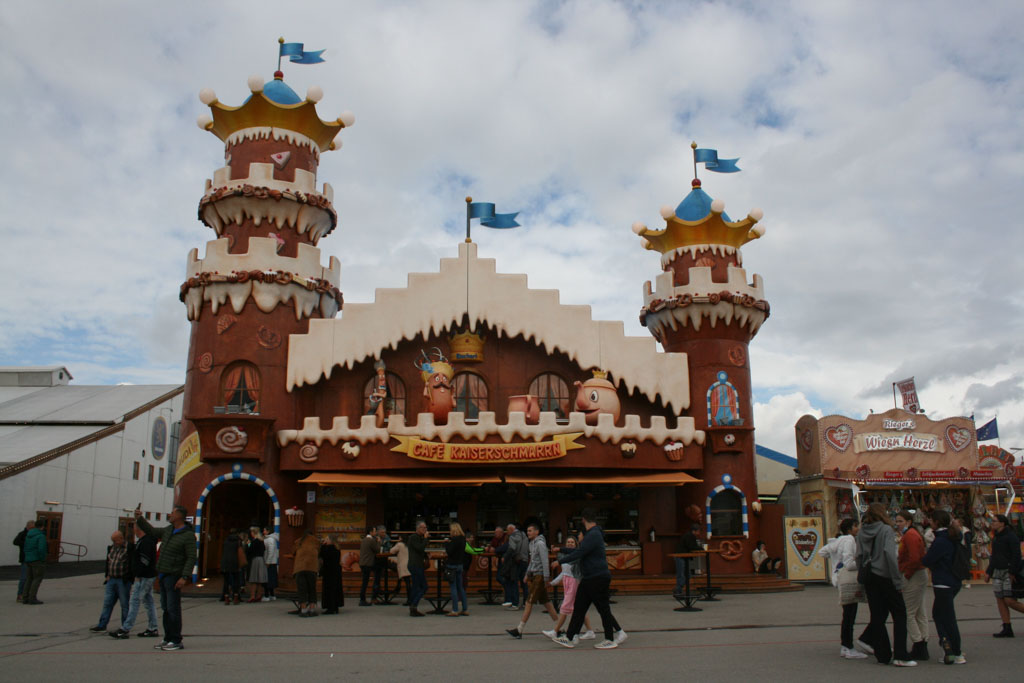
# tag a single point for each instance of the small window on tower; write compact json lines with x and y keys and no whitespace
{"x":150,"y":478}
{"x":135,"y":471}
{"x":552,"y":394}
{"x":240,"y":388}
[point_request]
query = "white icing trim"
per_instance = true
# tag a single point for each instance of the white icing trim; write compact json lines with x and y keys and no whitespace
{"x":237,"y":209}
{"x":699,"y":287}
{"x":433,"y":302}
{"x":516,"y":428}
{"x":265,"y":132}
{"x":262,"y":255}
{"x":694,"y":249}
{"x":262,"y":175}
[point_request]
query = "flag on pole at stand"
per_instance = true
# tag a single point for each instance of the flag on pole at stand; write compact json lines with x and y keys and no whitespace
{"x":297,"y":55}
{"x":989,"y":430}
{"x":908,"y":391}
{"x":709,"y":157}
{"x":485,"y":212}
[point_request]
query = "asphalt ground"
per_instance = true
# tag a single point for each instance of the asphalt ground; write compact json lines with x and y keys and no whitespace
{"x":766,"y":637}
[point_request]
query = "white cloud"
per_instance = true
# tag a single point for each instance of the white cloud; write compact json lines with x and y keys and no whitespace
{"x":776,"y":418}
{"x":887,"y":161}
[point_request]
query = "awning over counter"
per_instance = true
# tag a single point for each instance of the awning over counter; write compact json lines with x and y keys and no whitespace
{"x":478,"y":479}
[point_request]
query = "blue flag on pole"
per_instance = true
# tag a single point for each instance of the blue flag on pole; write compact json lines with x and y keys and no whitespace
{"x":297,"y":55}
{"x":989,"y":430}
{"x":709,"y":157}
{"x":485,"y":212}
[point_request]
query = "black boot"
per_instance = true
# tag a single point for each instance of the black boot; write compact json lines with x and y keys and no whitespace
{"x":1007,"y":632}
{"x":920,"y":652}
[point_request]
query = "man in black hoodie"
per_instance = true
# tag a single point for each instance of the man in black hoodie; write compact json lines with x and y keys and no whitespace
{"x":1005,"y":561}
{"x":143,"y":560}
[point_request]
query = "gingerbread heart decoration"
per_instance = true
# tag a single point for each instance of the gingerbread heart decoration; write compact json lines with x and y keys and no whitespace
{"x":839,"y":437}
{"x":806,"y":439}
{"x":805,"y":542}
{"x":958,"y":437}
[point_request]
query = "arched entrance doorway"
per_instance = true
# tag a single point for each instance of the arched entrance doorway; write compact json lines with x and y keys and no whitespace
{"x":233,"y":501}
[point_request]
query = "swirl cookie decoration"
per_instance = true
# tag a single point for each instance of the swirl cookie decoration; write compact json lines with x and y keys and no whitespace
{"x":267,"y":337}
{"x":309,"y":452}
{"x":231,"y":440}
{"x":205,"y":362}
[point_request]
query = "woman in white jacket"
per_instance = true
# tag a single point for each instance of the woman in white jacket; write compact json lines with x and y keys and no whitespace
{"x":842,"y":550}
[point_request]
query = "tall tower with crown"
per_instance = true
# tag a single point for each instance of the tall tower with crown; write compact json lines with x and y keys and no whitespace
{"x":259,"y":281}
{"x":703,"y":305}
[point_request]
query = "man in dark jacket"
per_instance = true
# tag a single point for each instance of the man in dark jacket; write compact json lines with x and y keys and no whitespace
{"x":117,"y":579}
{"x":1004,"y":563}
{"x":174,"y":567}
{"x":230,"y":568}
{"x":36,"y":551}
{"x":19,"y":541}
{"x":368,"y":549}
{"x":591,"y":559}
{"x":417,"y":544}
{"x":143,"y":554}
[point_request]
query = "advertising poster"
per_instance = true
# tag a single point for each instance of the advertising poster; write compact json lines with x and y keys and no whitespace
{"x":804,"y":538}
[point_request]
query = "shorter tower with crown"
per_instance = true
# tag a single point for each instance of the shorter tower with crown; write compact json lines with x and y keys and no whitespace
{"x":703,"y":305}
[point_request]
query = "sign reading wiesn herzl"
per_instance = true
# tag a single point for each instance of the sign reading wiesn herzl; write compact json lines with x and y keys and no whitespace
{"x":439,"y":451}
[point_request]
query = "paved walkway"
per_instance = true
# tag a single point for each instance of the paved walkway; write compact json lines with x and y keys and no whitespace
{"x":772,"y":637}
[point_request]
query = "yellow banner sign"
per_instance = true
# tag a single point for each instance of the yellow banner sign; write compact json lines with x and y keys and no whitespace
{"x":188,"y":456}
{"x":435,"y":451}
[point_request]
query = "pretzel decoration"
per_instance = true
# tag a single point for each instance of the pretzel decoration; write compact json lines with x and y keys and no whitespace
{"x":731,"y":550}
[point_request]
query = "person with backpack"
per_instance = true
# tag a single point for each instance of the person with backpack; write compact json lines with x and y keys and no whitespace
{"x":19,"y":541}
{"x":1002,"y":566}
{"x":879,"y":568}
{"x":948,"y":560}
{"x":143,"y":563}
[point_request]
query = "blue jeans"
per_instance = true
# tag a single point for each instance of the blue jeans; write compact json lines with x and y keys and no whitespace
{"x":681,"y":568}
{"x":419,"y":585}
{"x":944,"y":616}
{"x":21,"y":580}
{"x":116,"y":590}
{"x":142,"y":591}
{"x":458,"y":589}
{"x":170,"y":603}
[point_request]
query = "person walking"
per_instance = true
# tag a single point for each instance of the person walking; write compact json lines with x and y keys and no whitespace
{"x":117,"y":581}
{"x":36,"y":551}
{"x":19,"y":541}
{"x":271,"y":557}
{"x":304,"y":567}
{"x":174,"y":566}
{"x":568,"y":578}
{"x":417,"y":545}
{"x":230,"y":569}
{"x":1004,"y":562}
{"x":401,"y":552}
{"x":257,"y":565}
{"x":538,"y":578}
{"x":878,"y":564}
{"x":945,"y":585}
{"x":143,"y":570}
{"x":842,"y":551}
{"x":455,"y":553}
{"x":911,"y":550}
{"x":333,"y":597}
{"x":593,"y":586}
{"x":368,"y":549}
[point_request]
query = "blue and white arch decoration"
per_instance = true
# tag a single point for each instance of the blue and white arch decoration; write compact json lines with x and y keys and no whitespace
{"x":727,"y":484}
{"x":236,"y":473}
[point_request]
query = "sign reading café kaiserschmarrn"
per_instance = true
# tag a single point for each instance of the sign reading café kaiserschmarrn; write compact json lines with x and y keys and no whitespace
{"x":465,"y":453}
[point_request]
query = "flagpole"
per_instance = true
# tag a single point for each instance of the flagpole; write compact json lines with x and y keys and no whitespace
{"x":469,"y":200}
{"x":280,"y":42}
{"x":693,"y":146}
{"x":894,"y":394}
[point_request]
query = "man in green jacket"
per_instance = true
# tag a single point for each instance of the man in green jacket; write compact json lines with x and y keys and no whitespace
{"x":174,"y":567}
{"x":35,"y":558}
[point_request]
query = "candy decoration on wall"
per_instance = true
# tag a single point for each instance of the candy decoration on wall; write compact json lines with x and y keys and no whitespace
{"x":350,"y":450}
{"x":224,"y":321}
{"x":205,"y":362}
{"x":839,"y":437}
{"x":437,"y":376}
{"x":281,"y":159}
{"x":267,"y":337}
{"x":723,"y":403}
{"x":309,"y":452}
{"x":597,"y":396}
{"x":231,"y":440}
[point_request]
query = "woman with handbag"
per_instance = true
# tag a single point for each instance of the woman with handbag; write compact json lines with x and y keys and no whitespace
{"x":879,"y":572}
{"x":455,"y":549}
{"x":842,"y":550}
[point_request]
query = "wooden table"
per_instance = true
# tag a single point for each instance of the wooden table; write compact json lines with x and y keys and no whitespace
{"x":388,"y":594}
{"x":440,"y":601}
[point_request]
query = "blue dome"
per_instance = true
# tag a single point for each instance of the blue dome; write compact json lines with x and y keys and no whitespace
{"x":697,"y":206}
{"x":277,"y":91}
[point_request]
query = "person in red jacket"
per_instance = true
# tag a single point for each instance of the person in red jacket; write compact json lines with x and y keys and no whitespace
{"x":909,"y":558}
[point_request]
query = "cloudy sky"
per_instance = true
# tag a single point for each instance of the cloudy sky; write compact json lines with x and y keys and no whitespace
{"x":882,"y":140}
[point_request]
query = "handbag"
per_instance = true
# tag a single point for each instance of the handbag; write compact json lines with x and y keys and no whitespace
{"x":449,"y":574}
{"x":863,"y":573}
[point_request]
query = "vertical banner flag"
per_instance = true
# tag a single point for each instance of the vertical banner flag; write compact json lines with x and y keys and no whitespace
{"x":909,"y":393}
{"x":988,"y":431}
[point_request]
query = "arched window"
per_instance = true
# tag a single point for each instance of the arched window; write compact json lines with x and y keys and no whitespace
{"x":552,"y":394}
{"x":395,"y":400}
{"x":470,"y":394}
{"x":240,"y":388}
{"x":726,"y":513}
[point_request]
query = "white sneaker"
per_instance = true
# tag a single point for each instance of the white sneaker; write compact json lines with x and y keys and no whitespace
{"x":850,"y":653}
{"x":588,"y":635}
{"x":620,"y":636}
{"x":264,"y":599}
{"x":550,"y":634}
{"x":904,"y":662}
{"x":864,"y":647}
{"x":564,"y":642}
{"x":607,"y":645}
{"x":959,"y":659}
{"x":273,"y":597}
{"x":506,"y":604}
{"x":576,"y":639}
{"x":511,"y":606}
